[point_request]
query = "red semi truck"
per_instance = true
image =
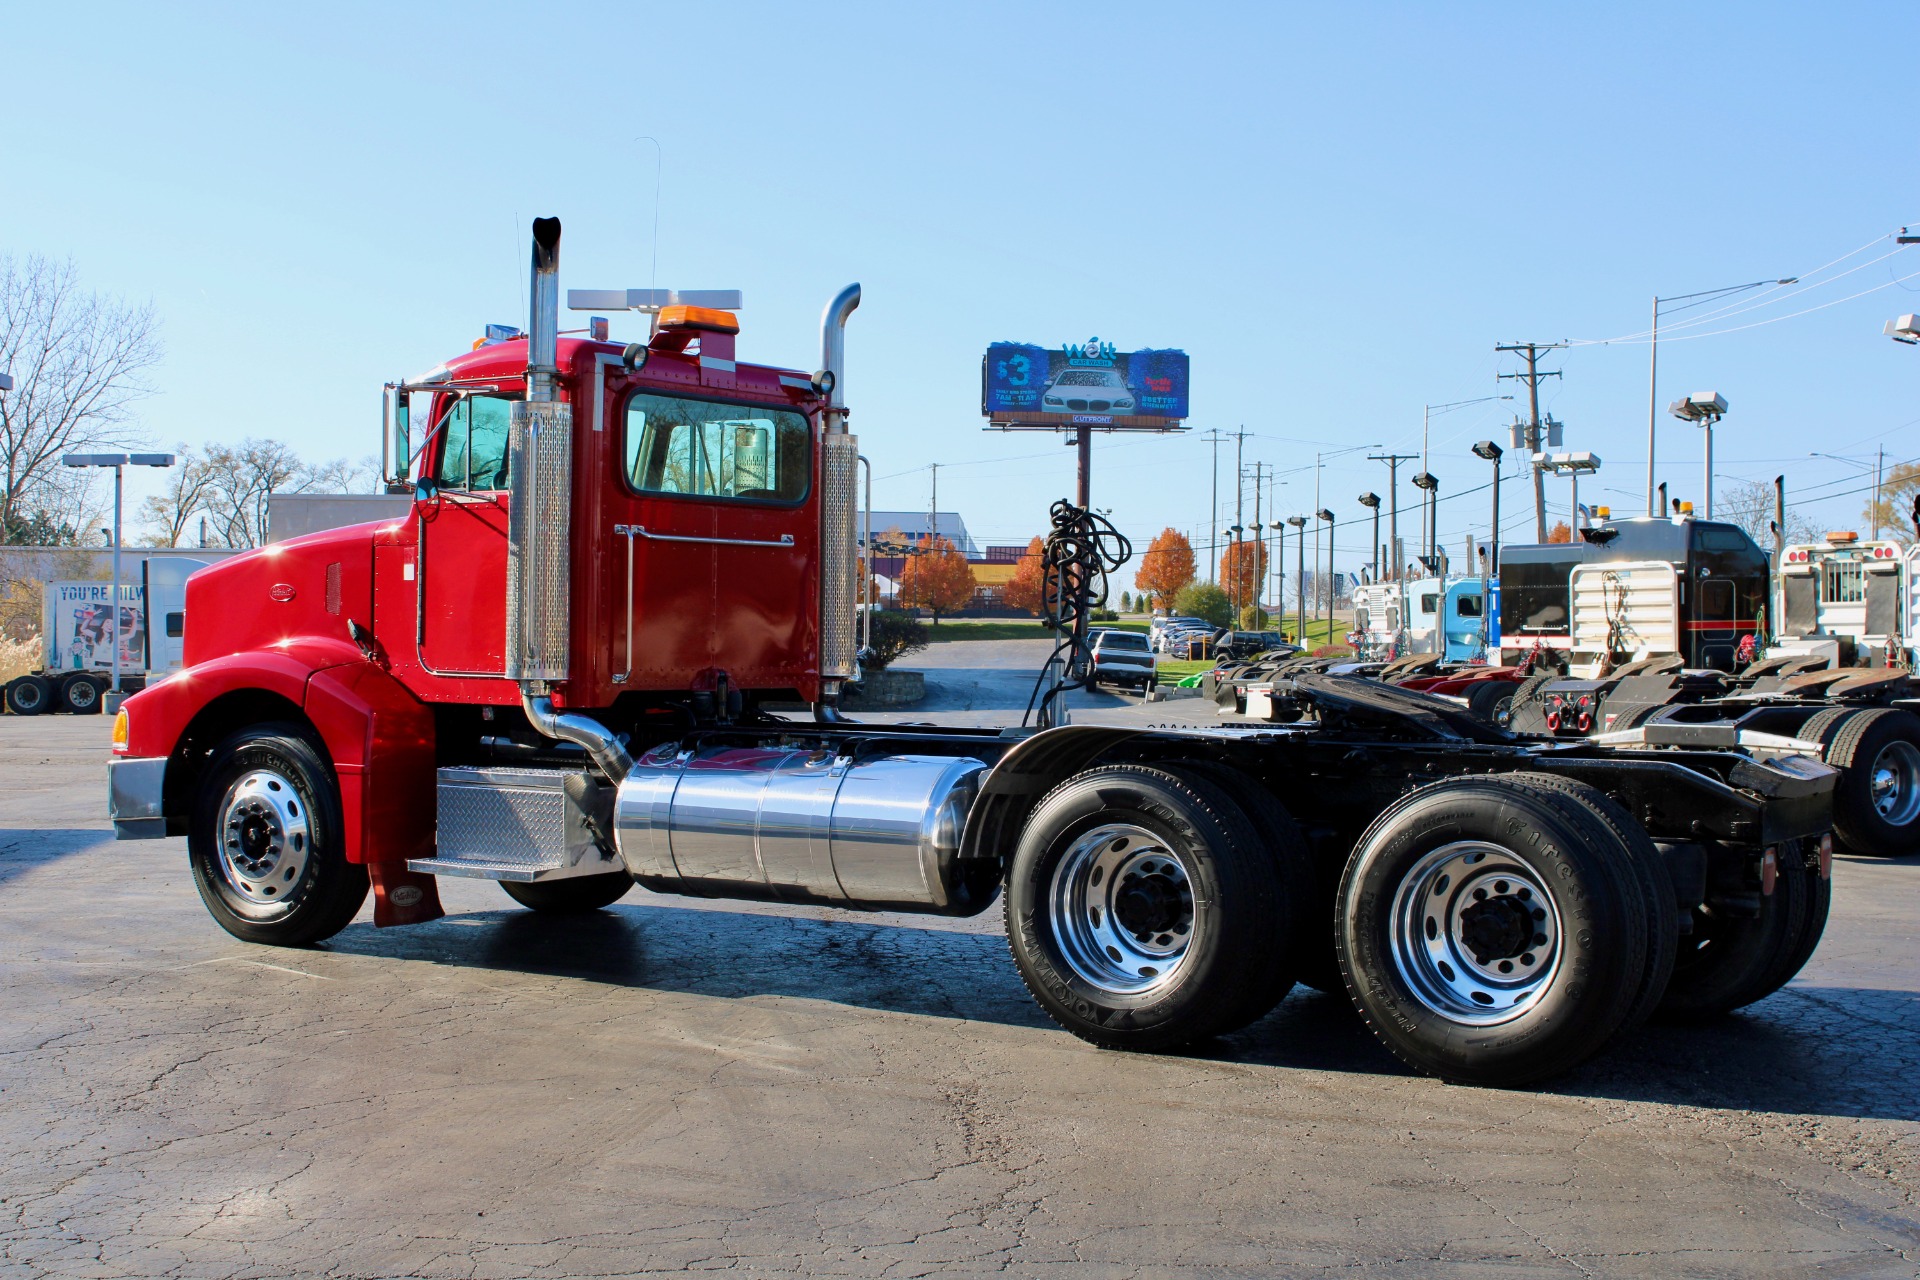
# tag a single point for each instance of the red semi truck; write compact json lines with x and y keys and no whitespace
{"x":556,"y":671}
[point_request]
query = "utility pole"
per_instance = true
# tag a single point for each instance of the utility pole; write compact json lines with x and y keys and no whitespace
{"x":1532,"y":350}
{"x":1393,"y":461}
{"x":1259,"y":534}
{"x":1213,"y":512}
{"x":933,"y":508}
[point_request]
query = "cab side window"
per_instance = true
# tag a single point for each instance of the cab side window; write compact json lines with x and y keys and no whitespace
{"x":474,"y":454}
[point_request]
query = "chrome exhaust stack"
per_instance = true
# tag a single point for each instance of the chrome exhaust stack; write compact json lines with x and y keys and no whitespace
{"x":840,"y":472}
{"x":540,"y":524}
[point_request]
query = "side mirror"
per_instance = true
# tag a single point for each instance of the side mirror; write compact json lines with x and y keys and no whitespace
{"x":399,"y":435}
{"x":425,"y":489}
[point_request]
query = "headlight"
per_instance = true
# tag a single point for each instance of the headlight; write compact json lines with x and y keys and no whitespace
{"x":1055,"y":400}
{"x":1123,"y":404}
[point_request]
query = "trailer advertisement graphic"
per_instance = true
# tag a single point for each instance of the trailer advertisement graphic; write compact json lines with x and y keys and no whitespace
{"x":1085,"y":382}
{"x":79,"y":623}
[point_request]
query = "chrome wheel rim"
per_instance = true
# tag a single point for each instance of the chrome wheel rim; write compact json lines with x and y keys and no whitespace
{"x":1894,"y":784}
{"x":1122,"y":906}
{"x":265,"y":844}
{"x":1476,"y":934}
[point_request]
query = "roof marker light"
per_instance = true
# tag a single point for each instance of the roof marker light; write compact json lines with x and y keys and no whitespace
{"x":708,"y":318}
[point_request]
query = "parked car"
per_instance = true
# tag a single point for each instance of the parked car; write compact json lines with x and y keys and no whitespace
{"x":1244,"y":645}
{"x":1176,"y":641}
{"x":1122,"y":658}
{"x":1085,"y":390}
{"x":1161,"y":624}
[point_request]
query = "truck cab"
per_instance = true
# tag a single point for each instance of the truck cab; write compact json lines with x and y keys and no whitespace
{"x":1635,"y":587}
{"x":1843,"y":598}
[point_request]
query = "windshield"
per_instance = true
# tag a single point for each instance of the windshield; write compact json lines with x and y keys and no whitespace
{"x":1534,"y":598}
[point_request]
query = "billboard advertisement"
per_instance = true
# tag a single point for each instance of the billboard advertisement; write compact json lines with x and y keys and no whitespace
{"x":1083,"y":383}
{"x":79,"y":626}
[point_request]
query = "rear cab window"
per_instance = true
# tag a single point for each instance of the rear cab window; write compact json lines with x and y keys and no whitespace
{"x":707,"y":449}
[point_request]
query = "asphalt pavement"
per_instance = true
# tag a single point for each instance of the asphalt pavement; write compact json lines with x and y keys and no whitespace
{"x":677,"y":1084}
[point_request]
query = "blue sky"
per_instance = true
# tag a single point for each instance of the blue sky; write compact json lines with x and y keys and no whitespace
{"x":1338,"y":211}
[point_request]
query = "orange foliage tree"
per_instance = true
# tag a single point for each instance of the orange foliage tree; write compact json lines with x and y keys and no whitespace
{"x":1243,"y":567}
{"x":1560,"y":532}
{"x":1166,"y":567}
{"x":1023,"y":588}
{"x":938,"y":579}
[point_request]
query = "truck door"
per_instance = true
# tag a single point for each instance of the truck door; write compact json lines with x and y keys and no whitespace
{"x":713,"y":509}
{"x":461,"y":560}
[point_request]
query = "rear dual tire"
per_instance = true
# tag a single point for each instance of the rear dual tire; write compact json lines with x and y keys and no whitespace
{"x":1497,"y":931}
{"x":1728,"y":962}
{"x":1144,"y":911}
{"x":1876,"y":807}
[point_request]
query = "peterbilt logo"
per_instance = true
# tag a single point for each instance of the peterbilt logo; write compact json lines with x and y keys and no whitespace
{"x":281,"y":591}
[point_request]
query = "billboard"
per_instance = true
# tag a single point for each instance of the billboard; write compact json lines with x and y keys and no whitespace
{"x":1085,"y":383}
{"x":79,"y":621}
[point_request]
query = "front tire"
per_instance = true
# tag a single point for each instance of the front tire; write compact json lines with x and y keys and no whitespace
{"x":574,"y":895}
{"x":1493,"y":932}
{"x":1144,"y":912}
{"x":265,"y":841}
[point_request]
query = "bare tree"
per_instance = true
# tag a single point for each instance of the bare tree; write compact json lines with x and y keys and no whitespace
{"x":233,"y":484}
{"x":1749,"y":504}
{"x":168,"y":514}
{"x":76,"y":360}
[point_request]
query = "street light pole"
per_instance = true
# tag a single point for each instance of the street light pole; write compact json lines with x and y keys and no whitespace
{"x":119,"y":462}
{"x":1327,"y":516}
{"x":1371,"y":501}
{"x":1653,"y":364}
{"x":1299,"y":524}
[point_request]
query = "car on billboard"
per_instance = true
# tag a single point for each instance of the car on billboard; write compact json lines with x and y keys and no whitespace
{"x":1079,"y":389}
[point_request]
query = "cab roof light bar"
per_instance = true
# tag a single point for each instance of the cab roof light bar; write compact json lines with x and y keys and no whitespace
{"x":652,"y":300}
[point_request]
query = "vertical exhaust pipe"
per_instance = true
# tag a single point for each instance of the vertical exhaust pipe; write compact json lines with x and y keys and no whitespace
{"x":543,"y":324}
{"x":540,"y":524}
{"x":840,"y":473}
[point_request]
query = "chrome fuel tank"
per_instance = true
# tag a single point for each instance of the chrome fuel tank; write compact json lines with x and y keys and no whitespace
{"x":804,"y":826}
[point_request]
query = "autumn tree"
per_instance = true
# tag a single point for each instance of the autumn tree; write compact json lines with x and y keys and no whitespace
{"x":77,"y":361}
{"x":1561,"y":532}
{"x":937,"y":579}
{"x":1023,"y":588}
{"x":1166,"y":567}
{"x":1243,"y":567}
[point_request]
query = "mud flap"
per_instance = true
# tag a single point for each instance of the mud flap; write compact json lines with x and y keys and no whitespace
{"x":401,"y":896}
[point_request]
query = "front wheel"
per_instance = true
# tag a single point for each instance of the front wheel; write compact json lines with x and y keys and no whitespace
{"x":573,"y":895}
{"x":1145,"y":912}
{"x":265,"y":841}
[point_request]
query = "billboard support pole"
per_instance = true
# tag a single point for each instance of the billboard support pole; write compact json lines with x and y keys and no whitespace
{"x":118,"y":475}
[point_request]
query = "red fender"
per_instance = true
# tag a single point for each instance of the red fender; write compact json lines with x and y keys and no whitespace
{"x":381,"y":739}
{"x":379,"y":736}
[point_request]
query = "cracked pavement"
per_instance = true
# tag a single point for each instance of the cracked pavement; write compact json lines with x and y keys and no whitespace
{"x":685,"y":1085}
